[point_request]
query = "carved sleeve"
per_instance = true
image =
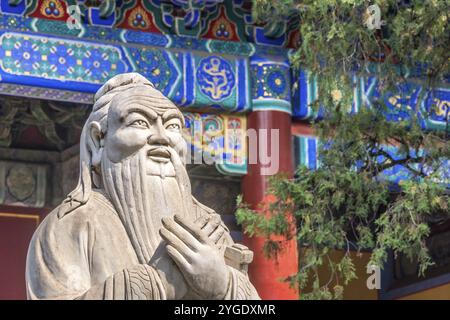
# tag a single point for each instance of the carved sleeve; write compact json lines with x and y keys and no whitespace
{"x":141,"y":282}
{"x":240,"y":287}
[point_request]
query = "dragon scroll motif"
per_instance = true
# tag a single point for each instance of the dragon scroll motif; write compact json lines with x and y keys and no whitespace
{"x":215,"y":78}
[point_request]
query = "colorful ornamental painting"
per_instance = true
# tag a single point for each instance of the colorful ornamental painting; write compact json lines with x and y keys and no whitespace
{"x":58,"y":59}
{"x":157,"y":66}
{"x":197,"y":80}
{"x":215,"y":78}
{"x":222,"y":82}
{"x":52,"y":9}
{"x":270,"y":84}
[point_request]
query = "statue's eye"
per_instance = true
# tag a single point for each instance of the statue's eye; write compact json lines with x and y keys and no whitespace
{"x":140,"y":123}
{"x":173,"y":126}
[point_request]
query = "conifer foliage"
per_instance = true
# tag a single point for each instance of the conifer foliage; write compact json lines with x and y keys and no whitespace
{"x":348,"y":203}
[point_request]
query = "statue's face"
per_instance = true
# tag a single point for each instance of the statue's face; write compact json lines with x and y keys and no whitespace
{"x":134,"y":126}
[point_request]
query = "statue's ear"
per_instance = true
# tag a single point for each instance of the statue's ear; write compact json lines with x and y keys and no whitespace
{"x":95,"y":143}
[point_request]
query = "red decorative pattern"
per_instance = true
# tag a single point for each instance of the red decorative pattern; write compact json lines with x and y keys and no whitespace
{"x":51,"y":9}
{"x":138,"y":18}
{"x":222,"y":28}
{"x":293,"y":39}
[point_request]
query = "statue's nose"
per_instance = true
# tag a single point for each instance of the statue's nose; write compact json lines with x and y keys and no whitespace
{"x":158,"y":135}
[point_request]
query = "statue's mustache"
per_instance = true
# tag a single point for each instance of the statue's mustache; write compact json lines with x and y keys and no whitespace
{"x":162,"y":160}
{"x":159,"y":151}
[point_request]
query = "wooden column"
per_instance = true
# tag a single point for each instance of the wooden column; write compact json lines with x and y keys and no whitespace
{"x":271,"y":111}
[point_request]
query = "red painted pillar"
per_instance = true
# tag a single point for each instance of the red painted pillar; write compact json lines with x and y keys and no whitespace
{"x":265,"y":274}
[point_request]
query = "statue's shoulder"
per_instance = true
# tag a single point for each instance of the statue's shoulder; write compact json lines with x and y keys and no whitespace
{"x":61,"y":237}
{"x":97,"y":207}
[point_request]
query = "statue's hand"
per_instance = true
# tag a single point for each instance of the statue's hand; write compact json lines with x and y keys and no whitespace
{"x":201,"y":263}
{"x":174,"y":283}
{"x":211,"y":225}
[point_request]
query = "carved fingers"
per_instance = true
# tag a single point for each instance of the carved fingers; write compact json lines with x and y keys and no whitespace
{"x":181,"y":245}
{"x":184,"y":240}
{"x":211,"y":226}
{"x":182,"y":231}
{"x":176,"y":242}
{"x":192,"y":228}
{"x":202,"y":265}
{"x":217,"y":235}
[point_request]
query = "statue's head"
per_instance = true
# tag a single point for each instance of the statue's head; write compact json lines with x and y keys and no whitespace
{"x":142,"y":120}
{"x":132,"y":149}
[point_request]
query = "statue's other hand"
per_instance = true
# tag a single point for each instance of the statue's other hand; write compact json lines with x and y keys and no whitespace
{"x":202,"y":264}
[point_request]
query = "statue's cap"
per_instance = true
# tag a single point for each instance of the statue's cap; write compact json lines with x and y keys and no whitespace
{"x":120,"y":81}
{"x":118,"y":84}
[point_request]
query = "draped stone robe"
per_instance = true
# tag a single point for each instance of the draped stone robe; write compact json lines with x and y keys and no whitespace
{"x":87,"y":254}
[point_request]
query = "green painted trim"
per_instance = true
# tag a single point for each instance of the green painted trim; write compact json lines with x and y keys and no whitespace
{"x":232,"y":170}
{"x":271,"y":104}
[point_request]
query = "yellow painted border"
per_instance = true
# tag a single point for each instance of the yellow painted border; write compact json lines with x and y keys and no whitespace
{"x":36,"y":217}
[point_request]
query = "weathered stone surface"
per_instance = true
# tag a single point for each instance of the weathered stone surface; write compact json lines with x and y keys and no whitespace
{"x":22,"y":184}
{"x":131,"y":228}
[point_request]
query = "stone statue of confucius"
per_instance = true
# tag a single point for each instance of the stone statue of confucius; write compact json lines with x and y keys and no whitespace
{"x":131,"y":228}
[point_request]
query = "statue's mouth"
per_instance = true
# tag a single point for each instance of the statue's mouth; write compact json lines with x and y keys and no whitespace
{"x":159,"y":154}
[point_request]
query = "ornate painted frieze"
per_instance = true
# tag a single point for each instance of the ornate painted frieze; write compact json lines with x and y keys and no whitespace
{"x":139,"y":23}
{"x":196,"y":80}
{"x":433,"y":106}
{"x":208,"y":19}
{"x":59,"y":63}
{"x":222,"y":83}
{"x":225,"y":20}
{"x":271,"y":84}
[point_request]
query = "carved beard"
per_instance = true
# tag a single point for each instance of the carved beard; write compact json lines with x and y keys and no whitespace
{"x":142,"y":199}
